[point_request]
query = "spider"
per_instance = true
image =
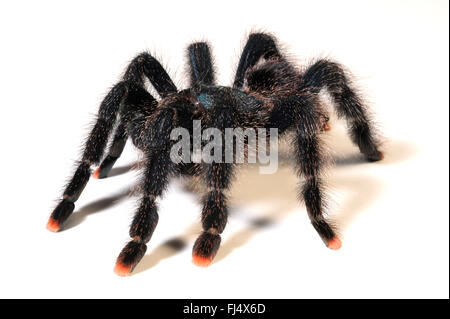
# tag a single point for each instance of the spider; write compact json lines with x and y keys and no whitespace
{"x":268,"y":92}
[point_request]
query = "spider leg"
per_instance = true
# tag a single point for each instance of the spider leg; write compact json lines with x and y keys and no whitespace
{"x":217,"y":177}
{"x":158,"y":169}
{"x":146,"y":216}
{"x":304,"y":114}
{"x":143,"y":65}
{"x":117,"y":146}
{"x":310,"y":159}
{"x":126,"y":98}
{"x":136,"y":106}
{"x":201,"y":65}
{"x":258,"y":45}
{"x":349,"y":105}
{"x":93,"y":151}
{"x":146,"y":65}
{"x":214,"y":213}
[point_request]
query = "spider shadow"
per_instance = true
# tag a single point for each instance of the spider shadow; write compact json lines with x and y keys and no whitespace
{"x":255,"y":226}
{"x":116,"y":171}
{"x":251,"y":187}
{"x":95,"y":207}
{"x":394,"y":151}
{"x":281,"y":198}
{"x":167,"y":249}
{"x":101,"y":204}
{"x":364,"y":190}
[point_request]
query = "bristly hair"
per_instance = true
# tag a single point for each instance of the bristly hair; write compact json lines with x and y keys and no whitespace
{"x":268,"y":92}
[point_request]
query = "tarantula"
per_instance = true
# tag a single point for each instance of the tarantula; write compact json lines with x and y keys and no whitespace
{"x":268,"y":92}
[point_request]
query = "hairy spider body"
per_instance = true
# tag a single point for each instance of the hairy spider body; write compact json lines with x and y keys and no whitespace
{"x":268,"y":92}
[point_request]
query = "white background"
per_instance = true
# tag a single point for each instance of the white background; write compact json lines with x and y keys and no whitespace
{"x":58,"y":59}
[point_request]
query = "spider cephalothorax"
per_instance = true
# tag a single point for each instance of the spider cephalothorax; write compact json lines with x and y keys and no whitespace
{"x":268,"y":92}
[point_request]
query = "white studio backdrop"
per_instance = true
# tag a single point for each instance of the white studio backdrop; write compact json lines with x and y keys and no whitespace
{"x":57,"y":61}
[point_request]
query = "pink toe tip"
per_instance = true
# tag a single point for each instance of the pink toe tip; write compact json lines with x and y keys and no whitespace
{"x":335,"y":243}
{"x":96,"y":174}
{"x":52,"y":225}
{"x":201,"y":261}
{"x":122,"y":270}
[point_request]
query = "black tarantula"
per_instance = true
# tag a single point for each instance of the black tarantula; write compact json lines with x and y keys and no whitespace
{"x":268,"y":92}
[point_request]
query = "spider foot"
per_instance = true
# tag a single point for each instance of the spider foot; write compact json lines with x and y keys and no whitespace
{"x":205,"y":249}
{"x":96,"y":174}
{"x":53,"y":225}
{"x":130,"y":256}
{"x":335,"y":243}
{"x":104,"y":168}
{"x":377,"y":156}
{"x":60,"y":215}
